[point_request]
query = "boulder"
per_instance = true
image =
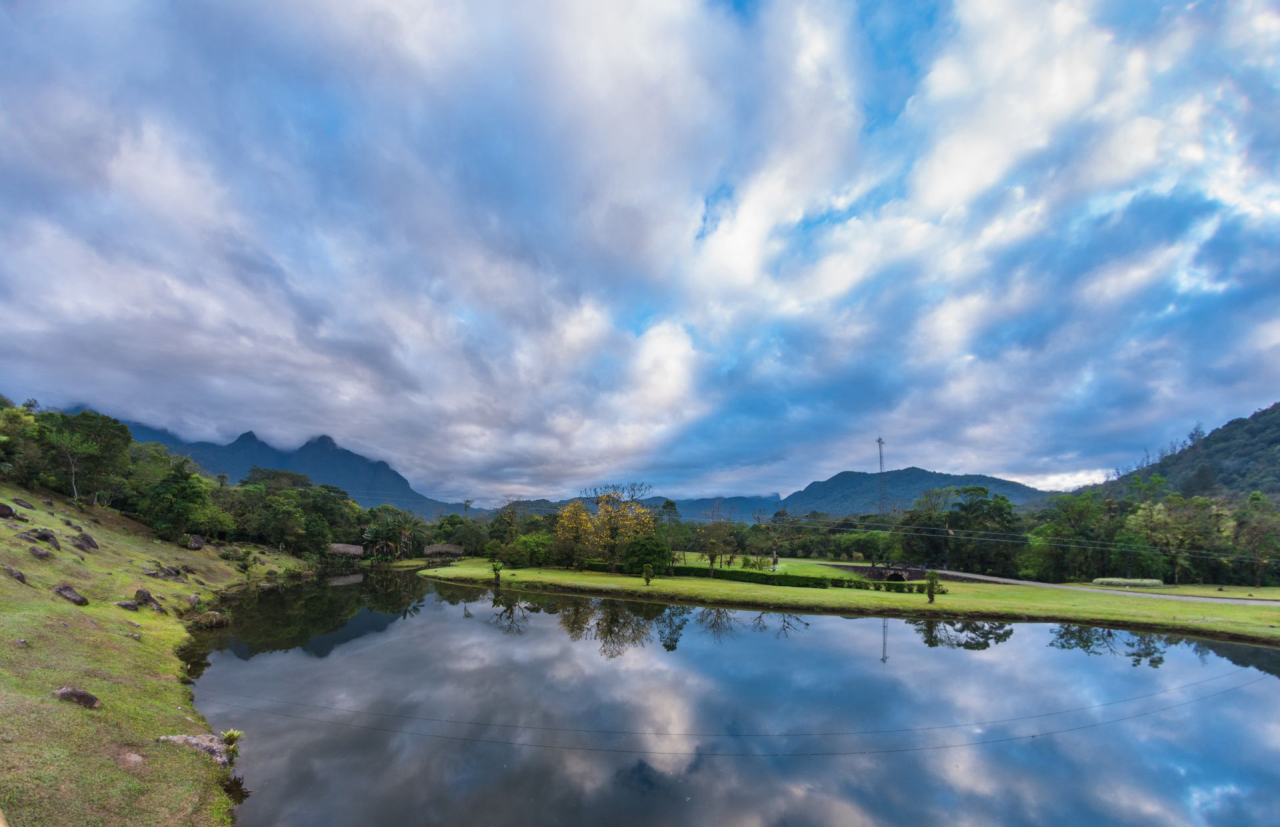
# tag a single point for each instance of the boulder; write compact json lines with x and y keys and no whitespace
{"x":77,"y":696}
{"x":196,"y":542}
{"x":128,"y":605}
{"x":22,"y":518}
{"x":6,"y":511}
{"x":187,"y":569}
{"x":15,"y":574}
{"x":22,"y":643}
{"x":71,"y":595}
{"x":24,"y":504}
{"x":86,"y":539}
{"x":209,"y":620}
{"x":143,"y":598}
{"x":39,"y":553}
{"x":47,"y":536}
{"x":48,"y":503}
{"x":210,"y":745}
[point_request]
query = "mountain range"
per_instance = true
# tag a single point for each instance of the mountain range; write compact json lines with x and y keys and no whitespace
{"x":374,"y":482}
{"x":369,"y":482}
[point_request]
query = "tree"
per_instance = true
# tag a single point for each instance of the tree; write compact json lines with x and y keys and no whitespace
{"x":646,"y":551}
{"x":73,"y":450}
{"x":575,"y":537}
{"x":620,"y":518}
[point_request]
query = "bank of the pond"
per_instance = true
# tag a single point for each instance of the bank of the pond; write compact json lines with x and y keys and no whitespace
{"x":64,"y":764}
{"x":1260,"y":624}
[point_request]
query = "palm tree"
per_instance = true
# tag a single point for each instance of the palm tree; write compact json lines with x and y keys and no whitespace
{"x":381,"y":538}
{"x":410,"y":532}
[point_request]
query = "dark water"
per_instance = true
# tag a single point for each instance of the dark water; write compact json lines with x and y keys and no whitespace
{"x":398,"y":701}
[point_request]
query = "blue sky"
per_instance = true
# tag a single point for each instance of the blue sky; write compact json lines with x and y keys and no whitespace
{"x":524,"y":248}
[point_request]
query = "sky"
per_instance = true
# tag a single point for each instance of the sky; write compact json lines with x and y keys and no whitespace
{"x":519,"y":249}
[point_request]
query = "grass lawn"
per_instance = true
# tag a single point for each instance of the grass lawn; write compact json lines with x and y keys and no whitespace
{"x":62,"y":764}
{"x":1237,"y":592}
{"x":1259,"y":624}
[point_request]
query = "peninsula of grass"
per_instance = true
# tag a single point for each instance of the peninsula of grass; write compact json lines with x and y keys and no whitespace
{"x":64,"y":764}
{"x":1257,"y":624}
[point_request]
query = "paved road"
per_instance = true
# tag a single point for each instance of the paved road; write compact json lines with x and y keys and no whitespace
{"x":1239,"y":601}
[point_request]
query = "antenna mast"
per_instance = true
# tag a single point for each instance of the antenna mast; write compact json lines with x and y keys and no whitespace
{"x":883,"y":493}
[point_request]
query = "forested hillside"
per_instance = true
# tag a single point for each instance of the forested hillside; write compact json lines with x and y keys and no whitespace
{"x":858,"y":492}
{"x":1240,"y":457}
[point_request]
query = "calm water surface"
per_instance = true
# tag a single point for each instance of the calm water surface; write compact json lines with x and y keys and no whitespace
{"x":398,"y":701}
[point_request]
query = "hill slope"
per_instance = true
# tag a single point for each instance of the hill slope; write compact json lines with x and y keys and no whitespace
{"x":1240,"y":457}
{"x":60,"y":764}
{"x":858,"y":492}
{"x":369,"y":482}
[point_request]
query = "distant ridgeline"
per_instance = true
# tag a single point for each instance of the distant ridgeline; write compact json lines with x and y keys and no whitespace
{"x":369,"y":482}
{"x":1240,"y":457}
{"x":855,"y":492}
{"x":373,"y":483}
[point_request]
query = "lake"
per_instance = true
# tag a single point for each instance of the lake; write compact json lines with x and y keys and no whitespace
{"x":397,"y":700}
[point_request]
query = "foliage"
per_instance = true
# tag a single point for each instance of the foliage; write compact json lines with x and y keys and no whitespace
{"x":1128,"y":582}
{"x":648,"y":551}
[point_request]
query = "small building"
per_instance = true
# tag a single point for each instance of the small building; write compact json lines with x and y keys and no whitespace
{"x":443,"y":550}
{"x":347,"y":549}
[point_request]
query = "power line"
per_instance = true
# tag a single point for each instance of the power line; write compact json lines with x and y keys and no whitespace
{"x":699,"y":754}
{"x":578,"y":730}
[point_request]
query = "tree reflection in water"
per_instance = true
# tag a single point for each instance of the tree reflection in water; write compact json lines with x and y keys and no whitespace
{"x":974,"y":635}
{"x":617,"y":625}
{"x":1140,"y":648}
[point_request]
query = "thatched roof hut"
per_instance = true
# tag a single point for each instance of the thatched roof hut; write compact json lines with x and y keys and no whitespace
{"x":443,"y":550}
{"x":345,"y":548}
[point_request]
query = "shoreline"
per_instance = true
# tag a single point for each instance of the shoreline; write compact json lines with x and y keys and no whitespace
{"x":860,"y":603}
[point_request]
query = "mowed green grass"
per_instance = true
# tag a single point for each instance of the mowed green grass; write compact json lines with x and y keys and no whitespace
{"x":61,"y":764}
{"x":1236,"y":592}
{"x":989,"y":600}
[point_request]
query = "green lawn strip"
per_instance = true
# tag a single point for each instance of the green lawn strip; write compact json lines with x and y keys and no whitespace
{"x":410,"y":564}
{"x":1234,"y":592}
{"x":60,"y":763}
{"x":986,"y":600}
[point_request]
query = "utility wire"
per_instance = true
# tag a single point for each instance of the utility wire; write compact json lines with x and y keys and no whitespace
{"x":724,"y":734}
{"x":804,"y":754}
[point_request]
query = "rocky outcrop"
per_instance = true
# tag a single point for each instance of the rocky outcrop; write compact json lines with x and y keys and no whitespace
{"x":6,"y":511}
{"x":210,"y":745}
{"x":128,"y":605}
{"x":38,"y":553}
{"x":77,"y":696}
{"x":86,"y":542}
{"x":24,"y":504}
{"x":71,"y":595}
{"x":15,"y":574}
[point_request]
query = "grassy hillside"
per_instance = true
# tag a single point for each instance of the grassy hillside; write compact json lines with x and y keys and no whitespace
{"x":63,"y":764}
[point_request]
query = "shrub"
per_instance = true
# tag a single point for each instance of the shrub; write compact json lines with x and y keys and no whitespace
{"x":647,"y":573}
{"x":514,"y":556}
{"x":1129,"y":583}
{"x":644,"y":551}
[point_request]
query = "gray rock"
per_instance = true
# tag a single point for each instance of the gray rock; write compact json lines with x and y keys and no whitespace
{"x":15,"y":574}
{"x":22,"y":643}
{"x":144,"y":598}
{"x":133,"y":635}
{"x":77,"y":696}
{"x":210,"y":745}
{"x":71,"y":595}
{"x":22,"y":518}
{"x":24,"y":504}
{"x":128,"y":605}
{"x":6,"y":511}
{"x":47,"y":536}
{"x":38,"y":553}
{"x":48,"y":503}
{"x":196,"y":542}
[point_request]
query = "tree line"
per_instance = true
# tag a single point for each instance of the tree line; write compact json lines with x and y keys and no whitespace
{"x":1142,"y":529}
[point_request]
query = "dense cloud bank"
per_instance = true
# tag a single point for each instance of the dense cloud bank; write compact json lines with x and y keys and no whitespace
{"x":720,"y":247}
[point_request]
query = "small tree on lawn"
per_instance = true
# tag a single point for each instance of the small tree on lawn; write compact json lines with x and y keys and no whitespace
{"x":931,"y":584}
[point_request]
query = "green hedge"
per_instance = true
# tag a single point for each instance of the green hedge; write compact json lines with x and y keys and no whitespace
{"x":1129,"y":583}
{"x":748,"y":576}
